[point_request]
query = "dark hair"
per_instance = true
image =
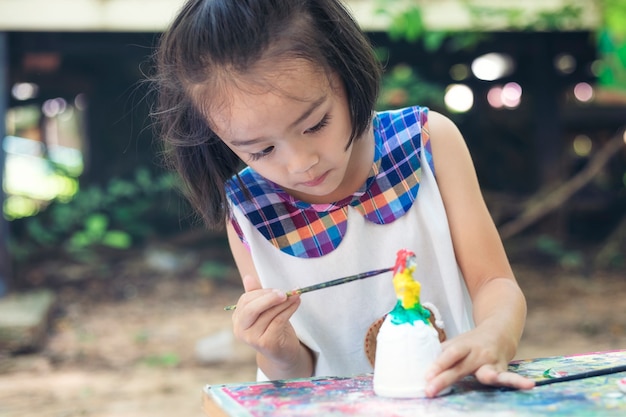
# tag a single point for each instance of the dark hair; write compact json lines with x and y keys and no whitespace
{"x":211,"y":36}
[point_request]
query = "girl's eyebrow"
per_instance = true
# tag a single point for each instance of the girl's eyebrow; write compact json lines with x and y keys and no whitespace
{"x":308,"y":111}
{"x":314,"y":105}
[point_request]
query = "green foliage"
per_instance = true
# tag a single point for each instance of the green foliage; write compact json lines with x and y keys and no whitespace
{"x":517,"y":18}
{"x":567,"y":259}
{"x":96,"y":231}
{"x":614,"y":15}
{"x":115,"y":216}
{"x":403,"y":86}
{"x":166,"y":360}
{"x":214,"y":270}
{"x":407,"y":23}
{"x":611,"y":40}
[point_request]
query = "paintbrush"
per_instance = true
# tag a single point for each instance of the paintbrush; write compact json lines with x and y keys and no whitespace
{"x":574,"y":377}
{"x":330,"y":283}
{"x":583,"y":375}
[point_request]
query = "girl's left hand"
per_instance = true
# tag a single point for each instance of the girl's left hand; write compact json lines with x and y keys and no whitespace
{"x":476,"y":352}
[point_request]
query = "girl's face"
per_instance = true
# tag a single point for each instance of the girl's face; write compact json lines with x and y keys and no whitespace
{"x":293,"y":129}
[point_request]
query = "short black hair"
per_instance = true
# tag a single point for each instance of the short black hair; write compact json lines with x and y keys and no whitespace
{"x":210,"y":36}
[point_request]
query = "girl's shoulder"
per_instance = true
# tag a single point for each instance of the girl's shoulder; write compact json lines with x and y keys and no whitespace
{"x":402,"y":117}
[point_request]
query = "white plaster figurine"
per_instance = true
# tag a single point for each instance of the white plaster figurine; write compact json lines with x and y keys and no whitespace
{"x":407,"y":342}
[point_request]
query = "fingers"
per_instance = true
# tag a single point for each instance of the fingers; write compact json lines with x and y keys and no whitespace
{"x":447,"y":369}
{"x":274,"y":326}
{"x":270,"y":333}
{"x":489,"y":375}
{"x":261,"y":318}
{"x":255,"y":301}
{"x":457,"y":362}
{"x":274,"y":318}
{"x":251,"y":283}
{"x":252,"y":304}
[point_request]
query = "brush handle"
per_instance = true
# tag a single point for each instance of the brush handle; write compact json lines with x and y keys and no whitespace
{"x":337,"y":281}
{"x":574,"y":377}
{"x":331,"y":283}
{"x":582,"y":375}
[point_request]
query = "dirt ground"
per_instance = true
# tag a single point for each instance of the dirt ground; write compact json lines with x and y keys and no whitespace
{"x":125,"y":345}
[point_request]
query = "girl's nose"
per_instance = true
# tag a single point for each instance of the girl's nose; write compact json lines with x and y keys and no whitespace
{"x":301,"y":160}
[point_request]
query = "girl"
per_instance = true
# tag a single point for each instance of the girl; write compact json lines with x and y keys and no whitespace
{"x":331,"y":189}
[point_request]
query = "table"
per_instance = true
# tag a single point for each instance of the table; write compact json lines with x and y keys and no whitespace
{"x":343,"y":397}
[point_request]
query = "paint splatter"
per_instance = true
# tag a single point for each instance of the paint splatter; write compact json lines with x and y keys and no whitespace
{"x":348,"y":397}
{"x":553,"y":373}
{"x":621,"y":384}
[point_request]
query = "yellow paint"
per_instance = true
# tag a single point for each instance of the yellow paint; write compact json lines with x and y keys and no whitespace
{"x":407,"y":289}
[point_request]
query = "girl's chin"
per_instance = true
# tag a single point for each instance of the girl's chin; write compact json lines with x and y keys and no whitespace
{"x":327,"y":192}
{"x":313,"y":195}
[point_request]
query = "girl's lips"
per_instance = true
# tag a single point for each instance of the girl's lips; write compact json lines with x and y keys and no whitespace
{"x":317,"y":181}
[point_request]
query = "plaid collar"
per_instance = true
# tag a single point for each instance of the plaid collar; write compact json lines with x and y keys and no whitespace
{"x":313,"y":230}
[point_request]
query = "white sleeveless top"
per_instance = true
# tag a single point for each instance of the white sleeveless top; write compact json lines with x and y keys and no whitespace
{"x":333,"y":322}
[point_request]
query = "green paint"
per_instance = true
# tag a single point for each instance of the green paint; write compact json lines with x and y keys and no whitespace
{"x":401,"y":315}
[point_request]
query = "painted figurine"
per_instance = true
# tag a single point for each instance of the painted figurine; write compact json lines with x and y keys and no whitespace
{"x":407,"y":342}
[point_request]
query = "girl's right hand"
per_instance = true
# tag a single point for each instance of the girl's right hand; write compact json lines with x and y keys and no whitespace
{"x":261,"y":320}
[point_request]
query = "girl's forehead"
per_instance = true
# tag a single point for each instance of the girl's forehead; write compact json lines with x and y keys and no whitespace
{"x":279,"y":75}
{"x":245,"y":107}
{"x":295,"y":79}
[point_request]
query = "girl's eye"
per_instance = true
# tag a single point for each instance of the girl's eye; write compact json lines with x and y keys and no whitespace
{"x":322,"y":124}
{"x":258,"y":155}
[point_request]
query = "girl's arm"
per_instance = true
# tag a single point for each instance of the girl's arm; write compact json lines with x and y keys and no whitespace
{"x":499,"y":305}
{"x":261,"y":320}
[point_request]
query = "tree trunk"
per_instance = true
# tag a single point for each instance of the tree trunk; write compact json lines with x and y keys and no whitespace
{"x":547,"y":200}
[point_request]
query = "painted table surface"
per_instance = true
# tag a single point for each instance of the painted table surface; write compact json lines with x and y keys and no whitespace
{"x":339,"y":397}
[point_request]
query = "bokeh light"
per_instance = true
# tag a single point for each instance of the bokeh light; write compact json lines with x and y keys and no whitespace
{"x":492,"y":66}
{"x":494,"y":97}
{"x":511,"y":95}
{"x":54,"y":107}
{"x":459,"y":72}
{"x":583,"y":92}
{"x":459,"y":98}
{"x":508,"y":96}
{"x":24,"y":91}
{"x":565,"y":63}
{"x":582,"y":145}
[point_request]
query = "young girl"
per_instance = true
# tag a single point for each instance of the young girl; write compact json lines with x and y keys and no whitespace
{"x":331,"y":189}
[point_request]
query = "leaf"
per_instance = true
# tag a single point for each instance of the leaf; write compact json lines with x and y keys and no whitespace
{"x":549,"y":246}
{"x":571,"y":260}
{"x":79,"y":241}
{"x":117,"y":239}
{"x":63,"y":217}
{"x":615,"y":17}
{"x":96,"y":225}
{"x":214,"y":270}
{"x":39,"y":233}
{"x":165,"y":360}
{"x":144,"y":179}
{"x":408,"y":25}
{"x":120,"y":188}
{"x":434,"y":40}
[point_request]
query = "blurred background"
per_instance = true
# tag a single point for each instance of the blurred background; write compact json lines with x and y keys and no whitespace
{"x":111,"y":291}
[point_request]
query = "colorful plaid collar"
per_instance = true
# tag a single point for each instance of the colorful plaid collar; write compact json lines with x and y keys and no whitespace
{"x":313,"y":230}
